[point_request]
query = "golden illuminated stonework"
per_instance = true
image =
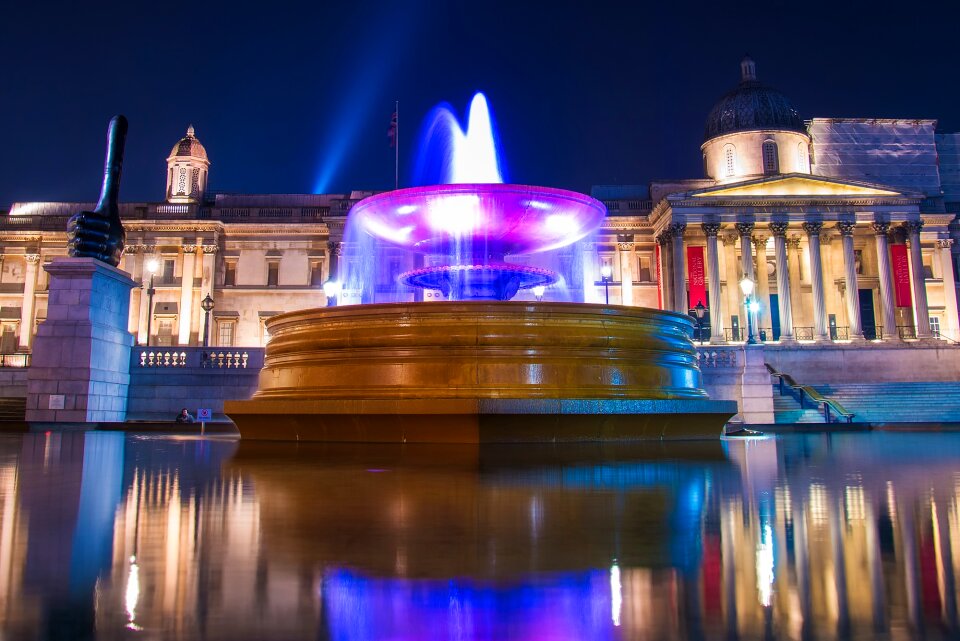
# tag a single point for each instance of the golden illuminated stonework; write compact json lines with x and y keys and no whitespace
{"x":479,"y":371}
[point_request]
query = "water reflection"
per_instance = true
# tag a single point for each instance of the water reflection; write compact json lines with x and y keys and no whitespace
{"x":846,"y":536}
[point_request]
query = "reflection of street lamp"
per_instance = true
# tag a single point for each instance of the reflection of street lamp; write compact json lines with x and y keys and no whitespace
{"x":605,"y":273}
{"x":152,"y":266}
{"x":538,"y":292}
{"x":746,"y":286}
{"x":207,"y":305}
{"x":332,"y":289}
{"x":699,"y":311}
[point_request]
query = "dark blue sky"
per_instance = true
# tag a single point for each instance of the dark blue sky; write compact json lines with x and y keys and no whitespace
{"x":287,"y":98}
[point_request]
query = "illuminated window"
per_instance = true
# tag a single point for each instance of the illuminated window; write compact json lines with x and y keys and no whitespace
{"x":771,"y":162}
{"x":803,"y":158}
{"x":935,"y":326}
{"x":645,"y":275}
{"x":730,"y":160}
{"x":168,"y":266}
{"x":164,"y":332}
{"x":182,"y":183}
{"x":316,"y":273}
{"x":225,"y":333}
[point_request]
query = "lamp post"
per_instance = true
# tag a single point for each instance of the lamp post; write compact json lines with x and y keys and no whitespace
{"x":331,"y":289}
{"x":746,"y":286}
{"x":152,"y":266}
{"x":207,"y":305}
{"x":538,"y":292}
{"x":698,"y":311}
{"x":605,"y":274}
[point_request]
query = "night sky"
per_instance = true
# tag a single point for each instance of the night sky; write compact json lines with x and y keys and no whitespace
{"x":292,"y":99}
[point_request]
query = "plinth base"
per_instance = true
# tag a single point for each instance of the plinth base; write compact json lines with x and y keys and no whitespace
{"x":480,"y":420}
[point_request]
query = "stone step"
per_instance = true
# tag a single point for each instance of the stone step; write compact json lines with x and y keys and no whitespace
{"x":12,"y":409}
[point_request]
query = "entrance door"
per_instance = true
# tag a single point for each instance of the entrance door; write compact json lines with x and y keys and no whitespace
{"x":775,"y":315}
{"x":867,"y":318}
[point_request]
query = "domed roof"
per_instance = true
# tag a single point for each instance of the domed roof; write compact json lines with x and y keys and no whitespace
{"x":750,"y":106}
{"x":189,"y":146}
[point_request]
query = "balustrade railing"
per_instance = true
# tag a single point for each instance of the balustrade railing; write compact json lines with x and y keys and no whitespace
{"x":803,"y":333}
{"x":718,"y":357}
{"x":734,"y":334}
{"x":906,"y":332}
{"x":198,"y":357}
{"x":839,"y":333}
{"x":14,"y":360}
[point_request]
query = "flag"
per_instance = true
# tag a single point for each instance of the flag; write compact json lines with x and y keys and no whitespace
{"x":392,"y":131}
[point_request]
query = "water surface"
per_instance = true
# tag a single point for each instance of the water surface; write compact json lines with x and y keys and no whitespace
{"x":106,"y":536}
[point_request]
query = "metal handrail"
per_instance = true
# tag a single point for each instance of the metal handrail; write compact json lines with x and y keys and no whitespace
{"x":21,"y":359}
{"x":828,"y":406}
{"x":906,"y":331}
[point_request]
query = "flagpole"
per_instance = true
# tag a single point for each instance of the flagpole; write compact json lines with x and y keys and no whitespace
{"x":396,"y":149}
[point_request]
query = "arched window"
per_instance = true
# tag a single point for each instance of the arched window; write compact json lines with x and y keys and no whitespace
{"x":730,"y":160}
{"x":771,"y":162}
{"x":803,"y":158}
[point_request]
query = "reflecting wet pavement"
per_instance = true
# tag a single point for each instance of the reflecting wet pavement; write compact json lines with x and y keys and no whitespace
{"x":106,"y":536}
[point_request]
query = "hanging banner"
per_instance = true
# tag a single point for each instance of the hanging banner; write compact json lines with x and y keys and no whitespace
{"x":659,"y":279}
{"x":695,"y":277}
{"x":901,"y":275}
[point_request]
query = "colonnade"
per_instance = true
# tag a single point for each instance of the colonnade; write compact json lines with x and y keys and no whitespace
{"x":786,"y":252}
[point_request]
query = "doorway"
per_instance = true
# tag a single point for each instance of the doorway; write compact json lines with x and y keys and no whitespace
{"x":867,"y":318}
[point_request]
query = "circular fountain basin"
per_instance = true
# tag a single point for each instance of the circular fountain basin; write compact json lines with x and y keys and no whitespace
{"x":493,"y":281}
{"x":475,"y":222}
{"x":479,"y":372}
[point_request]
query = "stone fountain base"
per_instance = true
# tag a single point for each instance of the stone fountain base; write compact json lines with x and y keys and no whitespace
{"x":480,"y":372}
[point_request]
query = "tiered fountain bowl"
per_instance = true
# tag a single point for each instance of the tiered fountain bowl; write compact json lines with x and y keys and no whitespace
{"x":474,"y":227}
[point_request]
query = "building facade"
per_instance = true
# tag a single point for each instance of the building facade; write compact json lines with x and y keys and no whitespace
{"x":847,"y":227}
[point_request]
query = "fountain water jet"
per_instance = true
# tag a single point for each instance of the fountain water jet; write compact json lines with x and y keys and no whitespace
{"x":478,"y":367}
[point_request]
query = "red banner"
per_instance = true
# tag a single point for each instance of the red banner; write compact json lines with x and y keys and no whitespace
{"x":901,"y":275}
{"x":695,"y":277}
{"x":659,"y":279}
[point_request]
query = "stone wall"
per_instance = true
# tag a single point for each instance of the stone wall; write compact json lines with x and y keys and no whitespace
{"x":164,"y":380}
{"x":13,"y":382}
{"x":887,"y":362}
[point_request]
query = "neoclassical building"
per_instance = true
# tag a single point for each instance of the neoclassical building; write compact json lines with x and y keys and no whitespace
{"x":847,"y":226}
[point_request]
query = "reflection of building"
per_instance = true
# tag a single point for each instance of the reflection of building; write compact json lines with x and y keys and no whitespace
{"x":847,"y":224}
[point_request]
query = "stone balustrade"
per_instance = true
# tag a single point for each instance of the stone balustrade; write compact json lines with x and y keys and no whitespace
{"x":716,"y":357}
{"x":197,"y":357}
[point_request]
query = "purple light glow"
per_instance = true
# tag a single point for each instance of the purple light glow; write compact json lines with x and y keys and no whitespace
{"x":480,"y":220}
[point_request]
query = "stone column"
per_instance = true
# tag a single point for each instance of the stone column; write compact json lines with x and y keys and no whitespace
{"x":763,"y":285}
{"x":590,"y":272}
{"x":625,"y":250}
{"x":679,"y":275}
{"x":913,"y":228}
{"x":208,"y":279}
{"x":29,"y":302}
{"x":952,"y":330}
{"x":186,"y":294}
{"x":846,"y":228}
{"x":816,"y":279}
{"x":887,"y":311}
{"x":779,"y":230}
{"x":713,"y":282}
{"x":794,"y":269}
{"x":746,"y":261}
{"x":666,"y":290}
{"x":733,"y":286}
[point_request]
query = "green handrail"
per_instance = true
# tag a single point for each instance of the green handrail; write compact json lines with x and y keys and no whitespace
{"x":821,"y":402}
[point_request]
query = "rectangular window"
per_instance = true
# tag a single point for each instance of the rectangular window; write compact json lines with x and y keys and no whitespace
{"x":168,"y":266}
{"x":645,"y":275}
{"x":316,"y":273}
{"x":225,"y":333}
{"x":935,"y":326}
{"x":927,"y":265}
{"x":165,"y":332}
{"x":858,"y":260}
{"x":273,"y":273}
{"x":230,"y":273}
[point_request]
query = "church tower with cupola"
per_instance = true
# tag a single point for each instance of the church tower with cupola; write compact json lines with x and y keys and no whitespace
{"x":754,"y":131}
{"x":187,"y":170}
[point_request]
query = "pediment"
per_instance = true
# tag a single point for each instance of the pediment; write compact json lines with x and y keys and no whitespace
{"x":797,"y":185}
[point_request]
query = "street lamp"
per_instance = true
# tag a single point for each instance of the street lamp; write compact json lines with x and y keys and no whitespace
{"x":746,"y":286}
{"x":207,"y":305}
{"x":538,"y":292}
{"x":605,"y":273}
{"x":699,"y":311}
{"x":332,"y":289}
{"x":152,"y":266}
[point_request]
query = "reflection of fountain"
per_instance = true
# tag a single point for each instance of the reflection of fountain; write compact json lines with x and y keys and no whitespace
{"x":476,"y":367}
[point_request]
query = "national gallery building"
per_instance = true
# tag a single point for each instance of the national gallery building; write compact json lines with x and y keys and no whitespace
{"x":847,"y":226}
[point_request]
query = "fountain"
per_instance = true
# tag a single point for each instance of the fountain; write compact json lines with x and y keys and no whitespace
{"x":478,"y":366}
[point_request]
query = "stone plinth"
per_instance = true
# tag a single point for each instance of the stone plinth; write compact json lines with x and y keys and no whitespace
{"x":81,"y":354}
{"x":757,"y":390}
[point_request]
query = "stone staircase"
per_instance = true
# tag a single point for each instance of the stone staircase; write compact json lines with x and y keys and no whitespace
{"x":12,"y":409}
{"x":786,"y":409}
{"x":897,"y":402}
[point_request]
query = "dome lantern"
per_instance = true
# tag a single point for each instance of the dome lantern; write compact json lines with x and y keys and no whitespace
{"x":187,"y":169}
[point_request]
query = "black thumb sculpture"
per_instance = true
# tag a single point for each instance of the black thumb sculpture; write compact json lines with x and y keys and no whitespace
{"x":99,"y":233}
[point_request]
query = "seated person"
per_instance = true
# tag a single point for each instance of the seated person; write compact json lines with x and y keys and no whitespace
{"x":184,"y":416}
